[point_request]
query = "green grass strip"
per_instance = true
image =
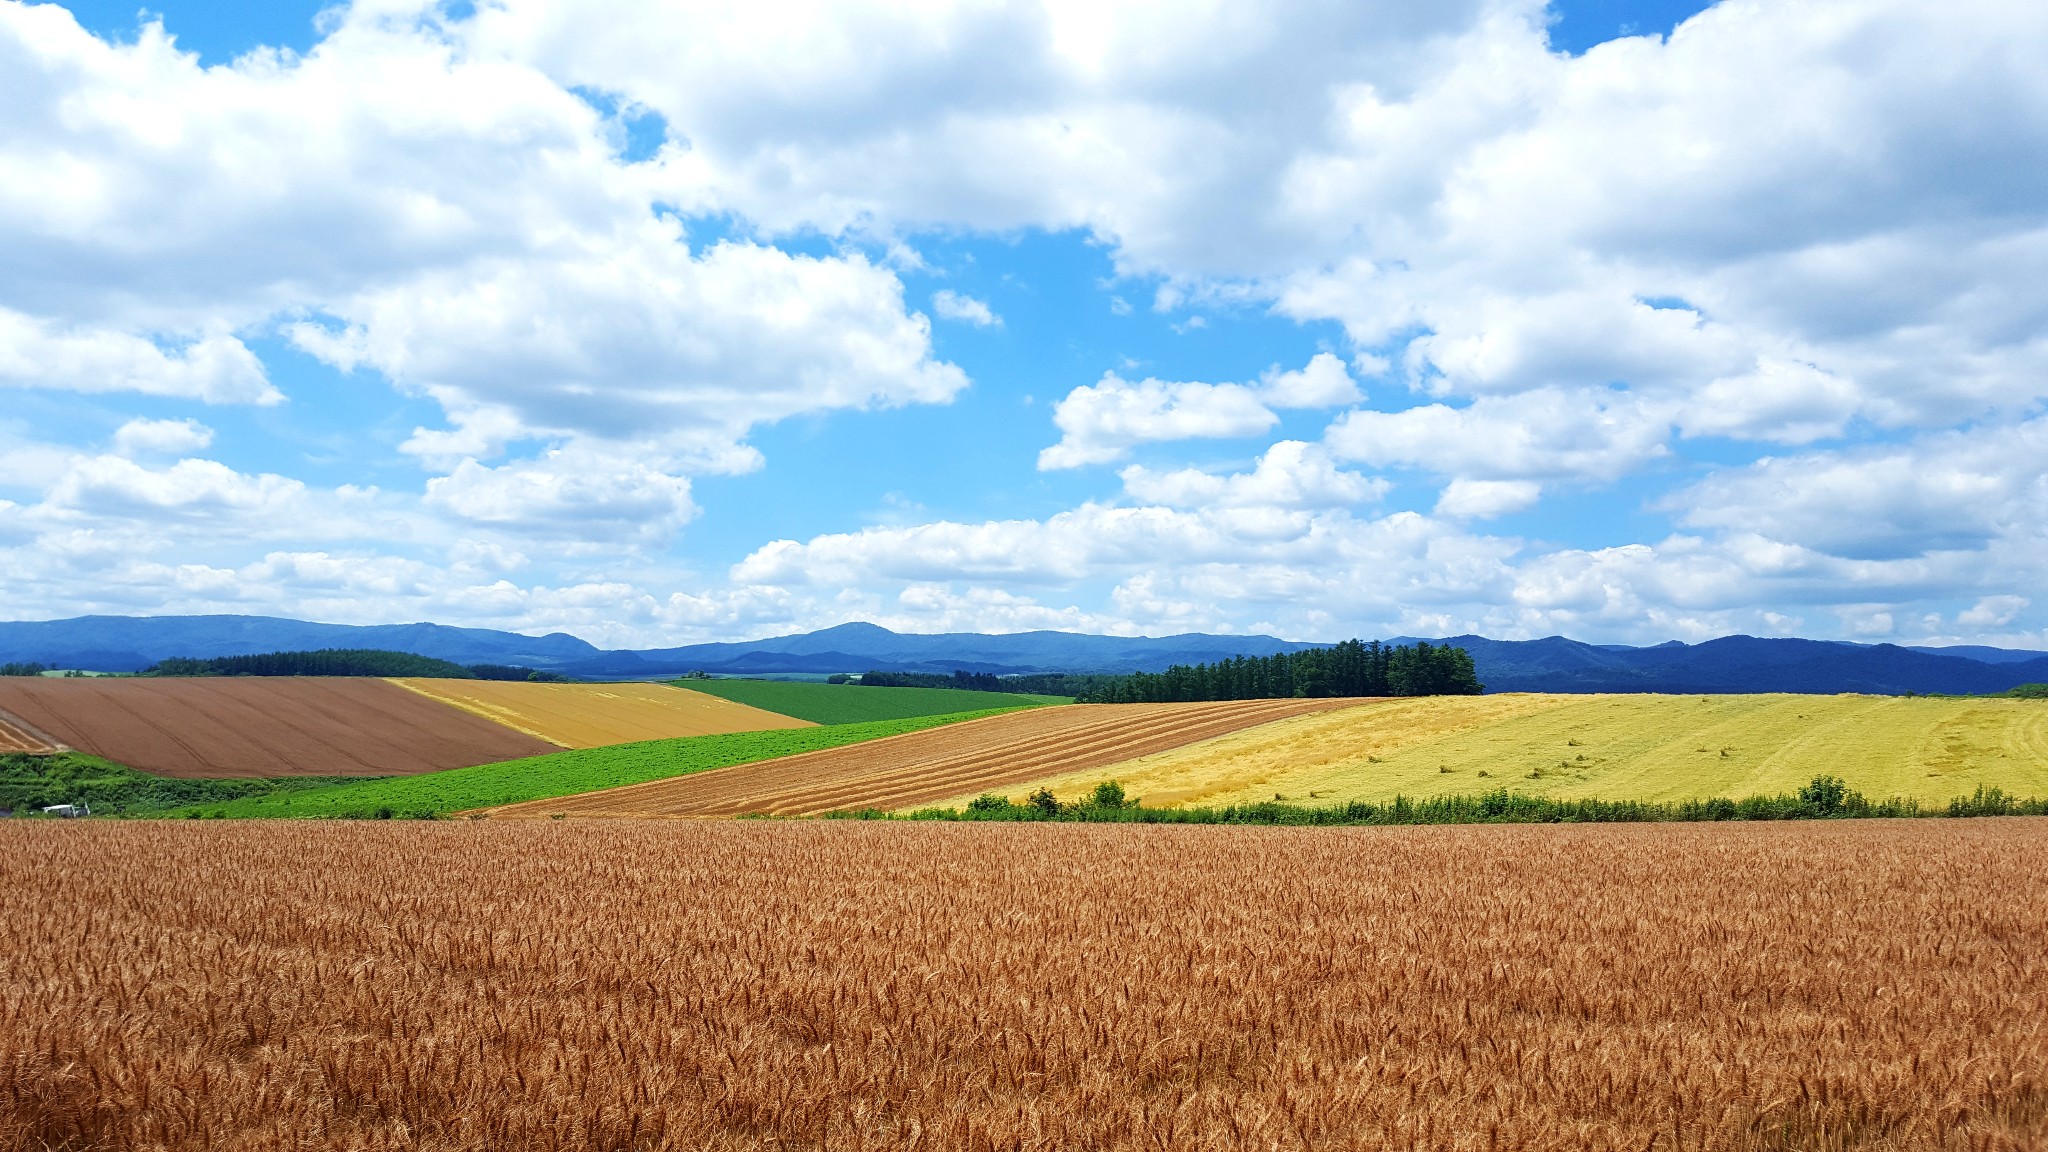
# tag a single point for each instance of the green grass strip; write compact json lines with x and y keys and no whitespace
{"x":30,"y":783}
{"x":436,"y":794}
{"x":857,"y":704}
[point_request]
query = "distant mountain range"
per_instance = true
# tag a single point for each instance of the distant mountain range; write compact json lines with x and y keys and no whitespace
{"x":1555,"y":664}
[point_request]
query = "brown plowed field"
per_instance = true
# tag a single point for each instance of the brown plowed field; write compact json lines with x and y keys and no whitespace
{"x":980,"y":755}
{"x":594,"y":715}
{"x":262,"y":726}
{"x":18,"y":735}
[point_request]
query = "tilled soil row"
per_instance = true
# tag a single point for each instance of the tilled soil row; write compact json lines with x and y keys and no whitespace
{"x":227,"y":726}
{"x":18,"y":735}
{"x":922,"y":767}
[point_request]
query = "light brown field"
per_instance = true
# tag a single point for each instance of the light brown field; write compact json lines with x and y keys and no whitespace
{"x":594,"y":715}
{"x":977,"y":755}
{"x":222,"y":726}
{"x":18,"y":735}
{"x":1611,"y":747}
{"x":722,"y":986}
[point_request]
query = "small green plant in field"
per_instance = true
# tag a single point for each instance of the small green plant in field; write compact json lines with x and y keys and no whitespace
{"x":1108,"y":794}
{"x":1824,"y":794}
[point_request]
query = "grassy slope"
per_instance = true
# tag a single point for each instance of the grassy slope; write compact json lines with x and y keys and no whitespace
{"x":28,"y":783}
{"x":853,"y":704}
{"x":1606,"y":747}
{"x":561,"y":773}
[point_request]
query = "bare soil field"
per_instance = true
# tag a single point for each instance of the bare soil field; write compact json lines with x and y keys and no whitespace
{"x":595,"y":715}
{"x":261,"y":726}
{"x":900,"y":771}
{"x":810,"y":985}
{"x":18,"y":735}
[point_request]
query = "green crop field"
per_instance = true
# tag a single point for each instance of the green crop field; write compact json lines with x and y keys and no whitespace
{"x":1607,"y":747}
{"x":557,"y":774}
{"x":854,"y":704}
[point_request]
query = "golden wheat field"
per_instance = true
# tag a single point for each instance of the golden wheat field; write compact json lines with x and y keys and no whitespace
{"x":1611,"y":747}
{"x":813,"y":985}
{"x":594,"y":715}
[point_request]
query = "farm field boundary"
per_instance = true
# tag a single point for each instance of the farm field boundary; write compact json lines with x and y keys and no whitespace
{"x":559,"y":773}
{"x":1574,"y":988}
{"x":918,"y":769}
{"x":858,"y":704}
{"x":18,"y":735}
{"x":1608,"y":747}
{"x":221,"y":726}
{"x":594,"y":715}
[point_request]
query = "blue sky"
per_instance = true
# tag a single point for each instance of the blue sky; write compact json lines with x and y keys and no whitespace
{"x":1630,"y":321}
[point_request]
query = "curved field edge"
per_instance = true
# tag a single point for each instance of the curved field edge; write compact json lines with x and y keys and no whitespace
{"x":566,"y":773}
{"x":855,"y":704}
{"x":1601,"y":747}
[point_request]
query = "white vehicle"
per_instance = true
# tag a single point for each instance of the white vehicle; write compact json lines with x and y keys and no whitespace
{"x":68,"y":810}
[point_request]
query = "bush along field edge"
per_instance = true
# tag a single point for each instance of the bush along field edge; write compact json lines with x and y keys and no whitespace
{"x":31,"y":782}
{"x":436,"y":795}
{"x":1824,"y":798}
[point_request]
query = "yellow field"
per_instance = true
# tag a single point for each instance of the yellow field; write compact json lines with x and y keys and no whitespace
{"x":594,"y":715}
{"x":1610,"y":747}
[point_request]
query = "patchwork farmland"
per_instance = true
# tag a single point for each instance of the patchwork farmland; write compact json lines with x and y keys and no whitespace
{"x":903,"y":770}
{"x":595,"y":715}
{"x":743,"y":985}
{"x":260,"y":726}
{"x":1606,"y":747}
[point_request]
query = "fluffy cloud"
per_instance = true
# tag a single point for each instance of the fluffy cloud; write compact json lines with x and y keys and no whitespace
{"x":1101,"y":422}
{"x":148,"y":437}
{"x":1480,"y":499}
{"x":582,"y":494}
{"x":1951,"y":492}
{"x":1548,"y":434}
{"x":218,"y":369}
{"x":951,"y":305}
{"x":638,"y":338}
{"x":1291,"y":474}
{"x":1323,"y":383}
{"x":458,"y":221}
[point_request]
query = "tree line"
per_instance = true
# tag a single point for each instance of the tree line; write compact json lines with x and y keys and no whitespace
{"x":342,"y":662}
{"x":1352,"y":668}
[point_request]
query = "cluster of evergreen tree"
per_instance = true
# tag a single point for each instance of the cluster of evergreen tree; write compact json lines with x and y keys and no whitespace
{"x":18,"y":669}
{"x":329,"y":662}
{"x":1037,"y":684}
{"x":1353,"y":668}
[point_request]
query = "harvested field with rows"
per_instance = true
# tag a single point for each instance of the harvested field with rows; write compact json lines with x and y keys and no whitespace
{"x":596,"y":715}
{"x":1609,"y":747}
{"x":758,"y":985}
{"x":979,"y":755}
{"x":219,"y":726}
{"x":18,"y":735}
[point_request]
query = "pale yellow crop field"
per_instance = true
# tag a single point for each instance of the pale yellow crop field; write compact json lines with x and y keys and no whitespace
{"x":594,"y":715}
{"x":1615,"y":747}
